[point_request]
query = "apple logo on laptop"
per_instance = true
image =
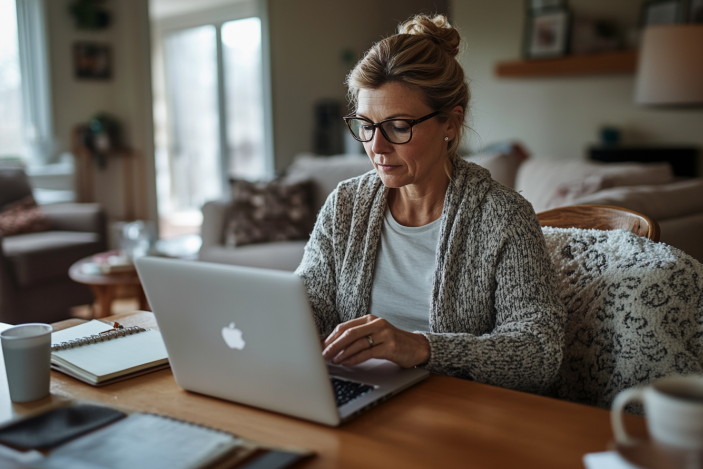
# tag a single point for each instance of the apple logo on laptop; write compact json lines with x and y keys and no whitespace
{"x":233,"y":337}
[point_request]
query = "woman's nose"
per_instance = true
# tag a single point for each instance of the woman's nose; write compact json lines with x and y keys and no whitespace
{"x":379,"y":144}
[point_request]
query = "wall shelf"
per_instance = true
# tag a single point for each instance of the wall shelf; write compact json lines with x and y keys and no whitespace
{"x":592,"y":64}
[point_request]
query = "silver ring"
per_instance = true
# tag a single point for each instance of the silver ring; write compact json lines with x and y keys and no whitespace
{"x":370,"y":339}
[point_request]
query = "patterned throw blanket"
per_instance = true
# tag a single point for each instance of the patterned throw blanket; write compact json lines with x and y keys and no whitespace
{"x":635,"y":312}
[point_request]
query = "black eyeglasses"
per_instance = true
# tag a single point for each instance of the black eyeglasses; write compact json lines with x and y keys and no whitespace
{"x":397,"y":131}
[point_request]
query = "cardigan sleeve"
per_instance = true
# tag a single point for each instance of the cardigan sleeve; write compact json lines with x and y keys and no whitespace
{"x":318,"y":271}
{"x":525,"y":347}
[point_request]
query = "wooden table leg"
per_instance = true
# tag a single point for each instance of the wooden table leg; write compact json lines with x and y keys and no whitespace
{"x":104,"y":294}
{"x":143,"y":302}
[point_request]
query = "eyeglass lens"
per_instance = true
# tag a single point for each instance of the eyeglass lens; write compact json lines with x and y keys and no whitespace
{"x":396,"y":131}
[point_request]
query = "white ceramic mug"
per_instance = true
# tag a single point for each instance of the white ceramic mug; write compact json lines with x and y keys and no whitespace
{"x":27,"y":352}
{"x":674,"y":410}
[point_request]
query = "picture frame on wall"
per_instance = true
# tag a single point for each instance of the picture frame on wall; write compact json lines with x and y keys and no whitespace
{"x":658,"y":12}
{"x":547,"y":33}
{"x":92,"y":60}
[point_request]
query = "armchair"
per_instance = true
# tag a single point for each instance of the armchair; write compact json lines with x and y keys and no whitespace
{"x":34,"y":282}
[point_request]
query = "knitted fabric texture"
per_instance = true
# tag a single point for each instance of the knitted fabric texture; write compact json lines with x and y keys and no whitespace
{"x":495,"y":315}
{"x":635,"y":312}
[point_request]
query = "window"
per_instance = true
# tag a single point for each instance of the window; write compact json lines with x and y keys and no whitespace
{"x":25,"y":127}
{"x":12,"y":144}
{"x":210,"y":110}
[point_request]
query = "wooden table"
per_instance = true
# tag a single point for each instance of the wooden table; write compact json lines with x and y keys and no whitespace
{"x":104,"y":286}
{"x":441,"y":422}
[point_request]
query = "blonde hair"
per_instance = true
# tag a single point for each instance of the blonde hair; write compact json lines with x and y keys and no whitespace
{"x":422,"y":55}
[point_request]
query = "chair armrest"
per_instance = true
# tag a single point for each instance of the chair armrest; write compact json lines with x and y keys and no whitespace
{"x":214,"y":219}
{"x":89,"y":218}
{"x":8,"y":286}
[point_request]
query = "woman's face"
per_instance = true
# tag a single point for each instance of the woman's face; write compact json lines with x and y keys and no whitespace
{"x":420,"y":161}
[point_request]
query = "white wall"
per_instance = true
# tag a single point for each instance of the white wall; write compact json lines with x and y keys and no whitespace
{"x":555,"y":117}
{"x":127,"y":96}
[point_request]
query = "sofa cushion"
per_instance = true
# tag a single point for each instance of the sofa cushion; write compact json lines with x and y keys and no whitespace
{"x":285,"y":255}
{"x":14,"y":185}
{"x":502,"y":166}
{"x":660,"y":201}
{"x":541,"y":180}
{"x":276,"y":211}
{"x":502,"y":160}
{"x":22,"y":216}
{"x":37,"y":257}
{"x":684,"y":233}
{"x":326,"y":172}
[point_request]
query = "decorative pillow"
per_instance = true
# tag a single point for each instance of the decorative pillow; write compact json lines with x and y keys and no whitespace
{"x":539,"y":179}
{"x":611,"y":175}
{"x":565,"y":194}
{"x":502,"y":161}
{"x":275,"y":211}
{"x":326,"y":172}
{"x":22,"y":216}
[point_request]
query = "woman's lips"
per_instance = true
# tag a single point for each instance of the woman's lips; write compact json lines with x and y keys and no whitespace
{"x":386,"y":168}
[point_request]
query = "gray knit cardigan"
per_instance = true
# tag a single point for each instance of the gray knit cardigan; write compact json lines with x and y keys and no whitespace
{"x":495,"y":316}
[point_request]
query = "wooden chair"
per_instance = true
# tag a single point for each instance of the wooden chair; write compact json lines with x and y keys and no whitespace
{"x":600,"y":217}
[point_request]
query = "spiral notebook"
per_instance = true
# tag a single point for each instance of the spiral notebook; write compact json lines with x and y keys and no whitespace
{"x":144,"y":440}
{"x":98,"y":353}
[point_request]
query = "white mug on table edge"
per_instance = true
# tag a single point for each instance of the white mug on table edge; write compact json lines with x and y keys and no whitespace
{"x":673,"y":408}
{"x":26,"y":349}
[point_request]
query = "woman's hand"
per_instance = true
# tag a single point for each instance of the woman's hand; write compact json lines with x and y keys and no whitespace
{"x":349,"y":345}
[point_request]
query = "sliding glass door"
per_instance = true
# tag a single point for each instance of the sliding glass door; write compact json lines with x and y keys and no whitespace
{"x":194,"y":150}
{"x":210,"y":113}
{"x":244,"y":100}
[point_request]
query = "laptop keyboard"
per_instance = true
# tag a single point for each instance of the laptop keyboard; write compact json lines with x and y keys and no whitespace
{"x":346,"y":391}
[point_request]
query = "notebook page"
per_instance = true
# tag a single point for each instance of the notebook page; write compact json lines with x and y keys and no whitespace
{"x":143,"y":440}
{"x":118,"y":354}
{"x":89,"y":328}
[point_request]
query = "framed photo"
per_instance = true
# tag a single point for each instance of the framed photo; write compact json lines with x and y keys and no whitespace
{"x":695,"y":11}
{"x":92,"y":60}
{"x":662,"y":12}
{"x":547,"y":33}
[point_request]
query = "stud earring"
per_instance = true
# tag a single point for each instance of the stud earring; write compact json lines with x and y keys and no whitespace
{"x":446,"y":139}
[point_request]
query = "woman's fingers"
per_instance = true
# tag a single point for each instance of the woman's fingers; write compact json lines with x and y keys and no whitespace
{"x":354,"y":348}
{"x":348,"y":337}
{"x":349,"y":345}
{"x":341,"y":328}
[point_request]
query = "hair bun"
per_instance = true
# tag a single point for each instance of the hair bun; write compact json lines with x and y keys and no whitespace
{"x":436,"y":28}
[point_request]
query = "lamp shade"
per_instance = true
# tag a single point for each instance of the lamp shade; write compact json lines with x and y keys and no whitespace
{"x":670,"y":70}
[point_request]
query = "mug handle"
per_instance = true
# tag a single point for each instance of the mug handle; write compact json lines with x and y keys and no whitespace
{"x":621,"y":400}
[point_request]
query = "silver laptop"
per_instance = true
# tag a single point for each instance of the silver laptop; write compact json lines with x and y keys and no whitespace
{"x":247,"y":335}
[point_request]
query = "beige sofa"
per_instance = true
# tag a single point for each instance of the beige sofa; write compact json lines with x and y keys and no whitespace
{"x":649,"y":189}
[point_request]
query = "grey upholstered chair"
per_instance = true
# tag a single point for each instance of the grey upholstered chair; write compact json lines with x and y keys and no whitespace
{"x":34,"y":282}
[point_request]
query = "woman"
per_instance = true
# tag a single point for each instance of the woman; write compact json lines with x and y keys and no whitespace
{"x":427,"y":261}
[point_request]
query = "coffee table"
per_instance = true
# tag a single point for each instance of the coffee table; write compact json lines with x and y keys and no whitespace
{"x":105,"y":285}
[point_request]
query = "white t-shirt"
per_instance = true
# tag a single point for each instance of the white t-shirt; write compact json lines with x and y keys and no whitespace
{"x":404,"y":272}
